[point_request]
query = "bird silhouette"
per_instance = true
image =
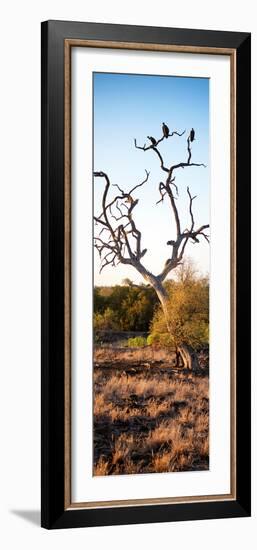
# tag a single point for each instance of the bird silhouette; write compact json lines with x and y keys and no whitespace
{"x":152,"y":139}
{"x":192,"y":135}
{"x":165,"y":130}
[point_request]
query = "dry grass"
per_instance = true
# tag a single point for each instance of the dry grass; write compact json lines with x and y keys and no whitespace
{"x":150,"y":421}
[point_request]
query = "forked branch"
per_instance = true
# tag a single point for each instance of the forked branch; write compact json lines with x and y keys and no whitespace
{"x":120,"y":240}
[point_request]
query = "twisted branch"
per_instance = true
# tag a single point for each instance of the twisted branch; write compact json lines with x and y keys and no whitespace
{"x":117,"y":248}
{"x":124,"y":242}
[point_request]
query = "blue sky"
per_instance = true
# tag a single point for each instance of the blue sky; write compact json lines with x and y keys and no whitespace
{"x":134,"y":106}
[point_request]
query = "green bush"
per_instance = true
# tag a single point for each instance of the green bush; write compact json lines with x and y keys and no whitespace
{"x":137,"y":342}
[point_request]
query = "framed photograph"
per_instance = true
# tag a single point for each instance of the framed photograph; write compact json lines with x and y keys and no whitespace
{"x":145,"y":274}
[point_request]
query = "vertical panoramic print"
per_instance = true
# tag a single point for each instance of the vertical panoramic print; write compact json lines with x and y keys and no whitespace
{"x":151,"y":213}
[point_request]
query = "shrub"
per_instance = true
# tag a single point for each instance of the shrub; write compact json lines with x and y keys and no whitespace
{"x":156,"y":339}
{"x":106,"y":320}
{"x":188,"y":311}
{"x":133,"y":306}
{"x":137,"y":342}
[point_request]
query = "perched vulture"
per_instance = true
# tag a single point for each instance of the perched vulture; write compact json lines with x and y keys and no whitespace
{"x":192,"y":135}
{"x":165,"y":130}
{"x":153,"y":140}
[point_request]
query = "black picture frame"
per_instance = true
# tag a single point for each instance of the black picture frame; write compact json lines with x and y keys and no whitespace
{"x":54,"y":514}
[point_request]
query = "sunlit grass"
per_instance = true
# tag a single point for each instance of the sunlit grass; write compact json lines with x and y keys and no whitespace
{"x":158,"y":423}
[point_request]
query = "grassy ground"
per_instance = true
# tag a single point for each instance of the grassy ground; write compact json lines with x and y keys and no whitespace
{"x":150,"y":420}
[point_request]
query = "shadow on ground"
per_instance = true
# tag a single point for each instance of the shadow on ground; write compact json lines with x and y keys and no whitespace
{"x":32,"y":516}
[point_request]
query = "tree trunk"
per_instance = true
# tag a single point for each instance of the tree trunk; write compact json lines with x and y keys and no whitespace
{"x":186,"y":353}
{"x":188,"y":356}
{"x":177,"y":357}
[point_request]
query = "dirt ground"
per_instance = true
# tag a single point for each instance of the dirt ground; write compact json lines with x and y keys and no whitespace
{"x":149,"y":417}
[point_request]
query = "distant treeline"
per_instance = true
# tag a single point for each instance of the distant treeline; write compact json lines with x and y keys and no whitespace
{"x":126,"y":307}
{"x":136,"y":308}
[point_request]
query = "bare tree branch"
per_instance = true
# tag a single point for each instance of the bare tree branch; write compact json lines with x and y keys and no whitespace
{"x":123,"y":241}
{"x":179,"y":245}
{"x":118,"y":248}
{"x":154,"y":148}
{"x":188,"y":163}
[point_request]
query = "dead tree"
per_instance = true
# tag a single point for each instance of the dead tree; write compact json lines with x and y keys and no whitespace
{"x":120,"y":241}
